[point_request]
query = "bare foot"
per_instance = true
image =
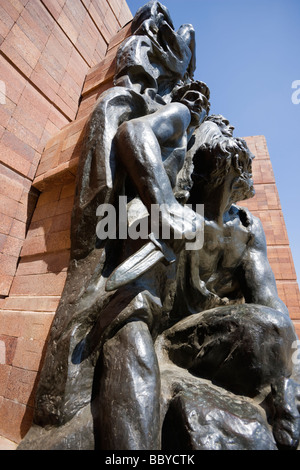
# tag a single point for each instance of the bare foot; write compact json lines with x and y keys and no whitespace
{"x":286,"y":425}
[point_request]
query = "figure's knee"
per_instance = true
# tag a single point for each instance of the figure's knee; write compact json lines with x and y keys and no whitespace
{"x":169,"y":123}
{"x":244,"y":347}
{"x":128,"y":130}
{"x":132,"y":343}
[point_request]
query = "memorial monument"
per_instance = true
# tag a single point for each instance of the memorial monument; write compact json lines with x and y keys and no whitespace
{"x":170,"y":333}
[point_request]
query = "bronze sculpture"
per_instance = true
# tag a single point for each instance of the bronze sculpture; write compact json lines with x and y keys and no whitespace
{"x":125,"y":363}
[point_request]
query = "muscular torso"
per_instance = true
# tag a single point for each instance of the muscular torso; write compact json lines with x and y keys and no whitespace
{"x":222,"y":253}
{"x":211,"y":276}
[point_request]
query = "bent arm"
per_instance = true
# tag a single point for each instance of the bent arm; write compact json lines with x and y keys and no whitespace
{"x":139,"y":145}
{"x":152,"y":149}
{"x":259,"y":280}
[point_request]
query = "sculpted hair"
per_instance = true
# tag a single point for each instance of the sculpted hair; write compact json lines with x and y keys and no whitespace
{"x":214,"y":152}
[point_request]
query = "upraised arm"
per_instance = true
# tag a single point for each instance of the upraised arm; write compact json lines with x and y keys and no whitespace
{"x":259,"y":281}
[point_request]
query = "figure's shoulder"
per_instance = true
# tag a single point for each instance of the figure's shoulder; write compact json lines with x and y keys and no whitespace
{"x":243,"y":214}
{"x":252,"y":223}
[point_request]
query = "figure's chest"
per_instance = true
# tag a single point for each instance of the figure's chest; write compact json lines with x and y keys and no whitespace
{"x":223,"y":249}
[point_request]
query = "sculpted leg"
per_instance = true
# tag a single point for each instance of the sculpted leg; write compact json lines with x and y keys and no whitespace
{"x":130,"y":391}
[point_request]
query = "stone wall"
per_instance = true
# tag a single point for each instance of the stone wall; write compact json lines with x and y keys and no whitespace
{"x":47,"y":49}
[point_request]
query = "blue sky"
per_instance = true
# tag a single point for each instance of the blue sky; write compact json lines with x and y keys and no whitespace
{"x":248,"y":53}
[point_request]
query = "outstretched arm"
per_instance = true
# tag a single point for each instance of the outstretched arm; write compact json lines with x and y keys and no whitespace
{"x":259,"y":281}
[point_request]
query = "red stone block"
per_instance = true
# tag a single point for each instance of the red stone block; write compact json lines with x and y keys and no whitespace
{"x":32,"y":172}
{"x":15,"y":82}
{"x":54,"y":7}
{"x":65,"y":107}
{"x":67,"y":190}
{"x":289,"y":293}
{"x":23,"y":134}
{"x":61,"y":223}
{"x":47,"y":263}
{"x":8,"y":206}
{"x":10,"y":183}
{"x":65,"y":206}
{"x":43,"y":80}
{"x":263,"y":172}
{"x":125,"y":14}
{"x":34,"y":245}
{"x":67,"y":26}
{"x":14,"y":161}
{"x":12,"y":142}
{"x":36,"y":104}
{"x":35,"y":326}
{"x":4,"y":375}
{"x":5,"y":224}
{"x":21,"y":386}
{"x":45,"y":211}
{"x":120,"y":36}
{"x":8,"y":346}
{"x":38,"y":16}
{"x":13,"y":9}
{"x":281,"y":262}
{"x":26,"y":324}
{"x":8,"y":264}
{"x":12,"y":246}
{"x":63,"y":174}
{"x":100,"y":14}
{"x":69,"y":99}
{"x":18,"y":229}
{"x":15,"y":420}
{"x":27,"y":303}
{"x":6,"y":22}
{"x":10,"y":324}
{"x":18,"y":46}
{"x":30,"y":28}
{"x":58,"y":241}
{"x":115,"y":6}
{"x":6,"y":111}
{"x":50,"y":64}
{"x":28,"y":354}
{"x":76,"y":13}
{"x":274,"y":226}
{"x":77,"y":68}
{"x":44,"y":284}
{"x":5,"y":284}
{"x":49,"y":197}
{"x":31,"y":119}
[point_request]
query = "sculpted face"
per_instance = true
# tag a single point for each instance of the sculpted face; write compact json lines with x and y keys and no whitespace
{"x":226,"y":128}
{"x":197,"y":104}
{"x":220,"y":157}
{"x":195,"y":96}
{"x":242,"y":185}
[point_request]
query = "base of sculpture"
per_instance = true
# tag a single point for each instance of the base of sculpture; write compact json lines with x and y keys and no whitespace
{"x":197,"y":413}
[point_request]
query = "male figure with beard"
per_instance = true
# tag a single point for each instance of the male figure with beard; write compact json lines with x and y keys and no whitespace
{"x":237,"y":332}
